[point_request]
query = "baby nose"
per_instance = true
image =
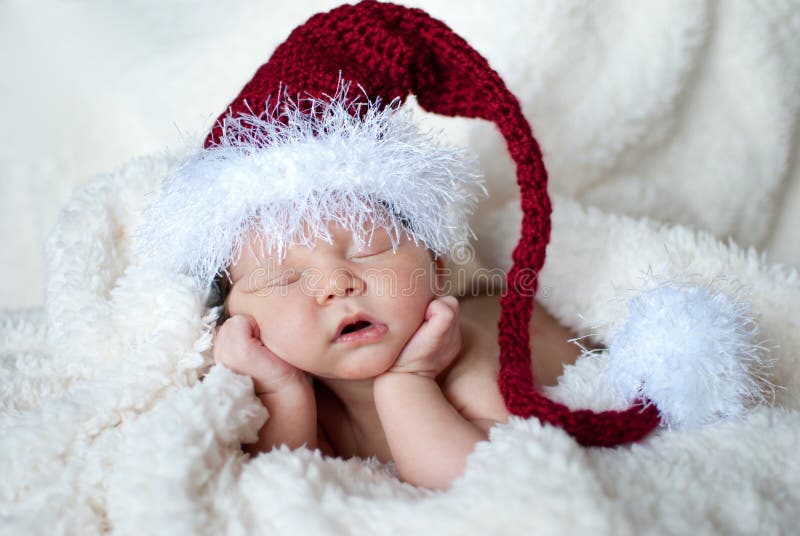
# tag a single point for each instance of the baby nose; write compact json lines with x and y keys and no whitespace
{"x":340,"y":282}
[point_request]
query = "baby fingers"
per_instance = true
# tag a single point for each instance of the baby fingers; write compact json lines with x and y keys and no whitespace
{"x":441,"y":313}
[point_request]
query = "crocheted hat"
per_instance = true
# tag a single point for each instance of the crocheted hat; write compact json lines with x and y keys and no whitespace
{"x":318,"y":135}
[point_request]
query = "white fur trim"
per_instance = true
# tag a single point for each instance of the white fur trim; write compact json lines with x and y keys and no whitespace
{"x":286,"y":179}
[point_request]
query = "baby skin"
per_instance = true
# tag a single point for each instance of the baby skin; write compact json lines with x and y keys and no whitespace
{"x":353,"y":351}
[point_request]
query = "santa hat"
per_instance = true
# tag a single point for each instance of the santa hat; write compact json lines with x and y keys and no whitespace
{"x":318,"y":135}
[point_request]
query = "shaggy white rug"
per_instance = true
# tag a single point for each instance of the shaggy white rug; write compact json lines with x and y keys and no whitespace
{"x":679,"y":111}
{"x":106,"y":424}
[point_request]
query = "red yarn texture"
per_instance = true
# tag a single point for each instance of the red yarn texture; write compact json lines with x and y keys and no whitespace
{"x":394,"y":51}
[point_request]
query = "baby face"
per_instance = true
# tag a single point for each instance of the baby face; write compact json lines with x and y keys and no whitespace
{"x":336,"y":310}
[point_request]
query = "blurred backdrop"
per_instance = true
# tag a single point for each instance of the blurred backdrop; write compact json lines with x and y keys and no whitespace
{"x":683,"y":111}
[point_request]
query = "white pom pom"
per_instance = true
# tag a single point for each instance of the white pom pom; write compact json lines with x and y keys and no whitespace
{"x":691,"y":351}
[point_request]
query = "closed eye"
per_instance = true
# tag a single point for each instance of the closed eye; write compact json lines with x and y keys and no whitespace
{"x":378,"y":246}
{"x":372,"y":252}
{"x":285,"y":281}
{"x":286,"y":278}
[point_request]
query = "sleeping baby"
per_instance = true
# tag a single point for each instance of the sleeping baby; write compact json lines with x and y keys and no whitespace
{"x":324,"y":213}
{"x":353,"y":350}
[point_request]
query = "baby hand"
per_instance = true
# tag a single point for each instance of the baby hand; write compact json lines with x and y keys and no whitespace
{"x":237,"y":345}
{"x":436,"y":342}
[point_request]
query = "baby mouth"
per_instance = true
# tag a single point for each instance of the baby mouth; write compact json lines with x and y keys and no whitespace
{"x":360,"y":330}
{"x":361,"y":324}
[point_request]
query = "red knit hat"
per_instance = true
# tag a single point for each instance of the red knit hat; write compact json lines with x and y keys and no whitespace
{"x":390,"y":52}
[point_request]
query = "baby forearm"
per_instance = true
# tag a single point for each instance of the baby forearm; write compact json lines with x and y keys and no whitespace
{"x":292,"y":419}
{"x":429,"y":439}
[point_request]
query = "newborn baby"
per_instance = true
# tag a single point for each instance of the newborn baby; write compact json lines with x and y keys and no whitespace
{"x":353,"y":350}
{"x":351,"y":344}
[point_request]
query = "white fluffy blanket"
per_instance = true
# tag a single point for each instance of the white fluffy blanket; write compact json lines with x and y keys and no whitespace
{"x":106,"y":424}
{"x":681,"y":111}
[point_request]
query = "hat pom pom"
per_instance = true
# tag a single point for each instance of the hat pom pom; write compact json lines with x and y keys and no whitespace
{"x":692,"y":352}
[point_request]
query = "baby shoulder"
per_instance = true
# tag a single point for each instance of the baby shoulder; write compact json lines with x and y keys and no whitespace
{"x":471,"y":385}
{"x":474,"y":393}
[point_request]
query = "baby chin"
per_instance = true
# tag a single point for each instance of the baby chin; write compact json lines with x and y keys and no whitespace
{"x":364,"y":354}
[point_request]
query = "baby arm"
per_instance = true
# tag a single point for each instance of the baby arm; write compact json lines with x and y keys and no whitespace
{"x":284,"y":390}
{"x":292,"y":419}
{"x":428,"y":437}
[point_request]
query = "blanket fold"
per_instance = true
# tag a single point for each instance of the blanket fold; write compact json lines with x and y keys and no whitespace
{"x":113,"y":417}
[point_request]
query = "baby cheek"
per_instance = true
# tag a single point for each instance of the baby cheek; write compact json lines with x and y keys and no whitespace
{"x":411,"y":309}
{"x":278,"y":337}
{"x":290,"y":333}
{"x":411,"y":279}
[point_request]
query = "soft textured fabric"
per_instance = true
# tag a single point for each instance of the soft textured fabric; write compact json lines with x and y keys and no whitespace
{"x":682,"y":111}
{"x":105,"y":424}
